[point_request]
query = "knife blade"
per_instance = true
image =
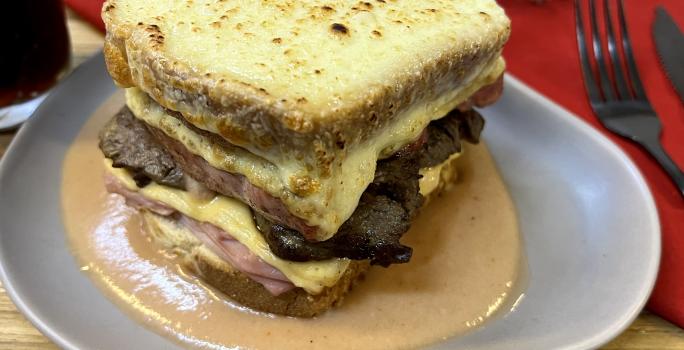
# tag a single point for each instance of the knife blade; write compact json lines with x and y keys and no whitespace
{"x":669,"y":42}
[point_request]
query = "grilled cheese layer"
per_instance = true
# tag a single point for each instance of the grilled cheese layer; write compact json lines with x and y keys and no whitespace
{"x":329,"y":198}
{"x":236,"y":219}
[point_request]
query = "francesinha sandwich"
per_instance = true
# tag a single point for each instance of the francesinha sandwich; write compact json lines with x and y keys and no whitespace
{"x":280,"y":148}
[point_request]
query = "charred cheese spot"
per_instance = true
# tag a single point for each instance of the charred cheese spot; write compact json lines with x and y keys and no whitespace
{"x":340,"y":29}
{"x":304,"y":185}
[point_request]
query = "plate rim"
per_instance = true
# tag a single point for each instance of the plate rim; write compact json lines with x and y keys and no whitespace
{"x":600,"y":338}
{"x":610,"y":333}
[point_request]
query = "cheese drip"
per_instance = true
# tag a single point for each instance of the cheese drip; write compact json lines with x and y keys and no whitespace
{"x":438,"y":175}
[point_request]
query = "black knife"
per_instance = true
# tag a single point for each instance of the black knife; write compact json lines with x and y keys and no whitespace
{"x":669,"y":42}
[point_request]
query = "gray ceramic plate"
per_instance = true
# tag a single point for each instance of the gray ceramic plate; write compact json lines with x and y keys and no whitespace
{"x":590,"y":228}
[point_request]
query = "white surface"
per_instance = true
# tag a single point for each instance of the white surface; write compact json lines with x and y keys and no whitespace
{"x":589,"y":223}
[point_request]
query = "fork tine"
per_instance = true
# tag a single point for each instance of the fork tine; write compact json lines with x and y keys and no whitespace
{"x":589,"y":82}
{"x":604,"y":78}
{"x":629,"y":55}
{"x":620,"y":79}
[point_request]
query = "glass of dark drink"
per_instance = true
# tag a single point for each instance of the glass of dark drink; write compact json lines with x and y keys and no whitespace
{"x":34,"y":52}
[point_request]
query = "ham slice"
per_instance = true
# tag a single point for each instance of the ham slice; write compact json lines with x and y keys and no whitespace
{"x":485,"y":96}
{"x":135,"y":199}
{"x":217,"y":240}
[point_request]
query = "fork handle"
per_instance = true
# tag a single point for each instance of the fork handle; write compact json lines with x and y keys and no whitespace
{"x":657,"y":151}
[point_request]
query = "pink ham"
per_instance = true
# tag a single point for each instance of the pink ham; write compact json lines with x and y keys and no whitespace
{"x":232,"y":185}
{"x":485,"y":96}
{"x":218,"y":241}
{"x":135,"y":199}
{"x":238,"y":255}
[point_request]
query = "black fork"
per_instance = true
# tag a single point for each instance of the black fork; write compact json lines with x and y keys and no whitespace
{"x":626,"y":110}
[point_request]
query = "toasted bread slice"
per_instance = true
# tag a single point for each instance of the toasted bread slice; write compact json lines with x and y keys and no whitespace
{"x":299,"y":65}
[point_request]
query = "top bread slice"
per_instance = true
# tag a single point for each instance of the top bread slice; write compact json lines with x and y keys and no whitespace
{"x":299,"y":66}
{"x":319,"y":89}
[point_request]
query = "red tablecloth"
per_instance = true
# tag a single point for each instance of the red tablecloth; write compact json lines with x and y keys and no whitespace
{"x":543,"y":53}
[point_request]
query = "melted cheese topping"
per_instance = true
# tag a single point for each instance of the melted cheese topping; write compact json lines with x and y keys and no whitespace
{"x":235,"y":218}
{"x":322,"y":51}
{"x":337,"y":195}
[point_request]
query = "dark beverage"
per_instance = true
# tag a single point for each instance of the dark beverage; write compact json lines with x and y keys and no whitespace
{"x":34,"y":48}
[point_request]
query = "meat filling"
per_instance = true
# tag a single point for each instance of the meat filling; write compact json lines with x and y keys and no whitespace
{"x":127,"y":143}
{"x":371,"y":233}
{"x":218,"y":241}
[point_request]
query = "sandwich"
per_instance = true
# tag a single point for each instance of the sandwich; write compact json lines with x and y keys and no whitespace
{"x":281,"y":148}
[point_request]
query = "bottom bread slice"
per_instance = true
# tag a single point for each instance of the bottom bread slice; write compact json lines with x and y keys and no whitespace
{"x":218,"y":273}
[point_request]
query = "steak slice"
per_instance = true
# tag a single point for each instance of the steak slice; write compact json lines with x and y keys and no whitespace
{"x":444,"y":136}
{"x":374,"y":229}
{"x":126,"y":141}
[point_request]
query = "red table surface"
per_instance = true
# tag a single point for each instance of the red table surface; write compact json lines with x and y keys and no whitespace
{"x":542,"y":52}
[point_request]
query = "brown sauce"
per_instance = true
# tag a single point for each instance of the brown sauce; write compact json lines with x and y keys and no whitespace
{"x":465,"y":270}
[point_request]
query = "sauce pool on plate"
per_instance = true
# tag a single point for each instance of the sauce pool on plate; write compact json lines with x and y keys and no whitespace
{"x":467,"y":268}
